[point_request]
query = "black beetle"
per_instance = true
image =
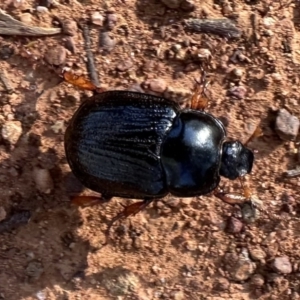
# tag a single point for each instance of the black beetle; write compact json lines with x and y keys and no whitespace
{"x":134,"y":145}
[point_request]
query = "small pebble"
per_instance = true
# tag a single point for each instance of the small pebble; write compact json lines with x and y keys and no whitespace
{"x":97,"y":18}
{"x":286,"y":125}
{"x":238,"y":92}
{"x":272,"y":249}
{"x":43,"y":180}
{"x":221,"y":284}
{"x":56,"y":56}
{"x":119,"y":281}
{"x":137,"y":243}
{"x":269,"y":22}
{"x":257,"y":280}
{"x":106,"y":43}
{"x":238,"y":72}
{"x":191,"y":245}
{"x":111,"y":21}
{"x":243,"y":270}
{"x":42,"y":9}
{"x":257,"y":254}
{"x":187,"y":5}
{"x":11,"y":131}
{"x":234,"y":225}
{"x":277,"y":77}
{"x":34,"y":269}
{"x":59,"y":126}
{"x":125,"y":65}
{"x":69,"y":27}
{"x":156,"y":269}
{"x":282,"y":265}
{"x":41,"y":295}
{"x":6,"y":51}
{"x":204,"y":53}
{"x":179,"y":295}
{"x":30,"y":255}
{"x":176,"y":48}
{"x":250,"y":213}
{"x":157,"y":85}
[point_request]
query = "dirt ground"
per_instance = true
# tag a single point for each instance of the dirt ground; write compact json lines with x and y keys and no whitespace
{"x":193,"y":248}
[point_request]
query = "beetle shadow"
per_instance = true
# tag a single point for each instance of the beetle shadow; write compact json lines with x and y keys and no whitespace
{"x":46,"y":252}
{"x":50,"y":230}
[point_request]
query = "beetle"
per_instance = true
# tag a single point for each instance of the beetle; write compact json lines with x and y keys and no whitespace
{"x":140,"y":146}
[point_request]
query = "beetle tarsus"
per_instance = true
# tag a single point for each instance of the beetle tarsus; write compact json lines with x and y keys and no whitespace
{"x":129,"y":210}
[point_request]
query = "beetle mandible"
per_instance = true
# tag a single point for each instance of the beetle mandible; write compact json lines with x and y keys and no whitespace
{"x":134,"y":145}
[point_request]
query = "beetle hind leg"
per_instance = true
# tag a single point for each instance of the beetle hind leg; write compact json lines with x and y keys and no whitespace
{"x":132,"y":209}
{"x":199,"y":98}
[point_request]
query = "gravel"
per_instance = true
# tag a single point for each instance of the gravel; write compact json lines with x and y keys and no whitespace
{"x":282,"y":265}
{"x":43,"y":180}
{"x":287,"y":126}
{"x":11,"y":131}
{"x":157,"y":85}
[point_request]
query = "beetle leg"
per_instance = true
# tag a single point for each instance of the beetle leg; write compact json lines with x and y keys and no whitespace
{"x":89,"y":200}
{"x":132,"y":209}
{"x":235,"y":198}
{"x":199,"y":99}
{"x":231,"y":198}
{"x":80,"y":81}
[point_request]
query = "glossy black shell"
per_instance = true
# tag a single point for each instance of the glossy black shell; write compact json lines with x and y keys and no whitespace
{"x":136,"y":145}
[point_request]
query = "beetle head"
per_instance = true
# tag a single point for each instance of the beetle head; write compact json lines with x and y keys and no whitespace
{"x":237,"y":160}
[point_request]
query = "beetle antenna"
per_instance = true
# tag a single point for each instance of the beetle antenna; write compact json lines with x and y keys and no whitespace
{"x":257,"y":132}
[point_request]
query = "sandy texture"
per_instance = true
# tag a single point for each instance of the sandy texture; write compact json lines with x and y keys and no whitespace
{"x":198,"y":248}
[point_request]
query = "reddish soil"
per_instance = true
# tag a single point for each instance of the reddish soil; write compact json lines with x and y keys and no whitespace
{"x":176,"y":248}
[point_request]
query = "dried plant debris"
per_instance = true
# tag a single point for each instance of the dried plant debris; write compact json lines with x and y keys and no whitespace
{"x":11,"y":26}
{"x":221,"y":27}
{"x":91,"y":66}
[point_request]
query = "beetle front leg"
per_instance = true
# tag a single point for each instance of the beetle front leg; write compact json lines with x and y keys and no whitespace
{"x":235,"y":198}
{"x":132,"y":209}
{"x":89,"y":200}
{"x":231,"y":198}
